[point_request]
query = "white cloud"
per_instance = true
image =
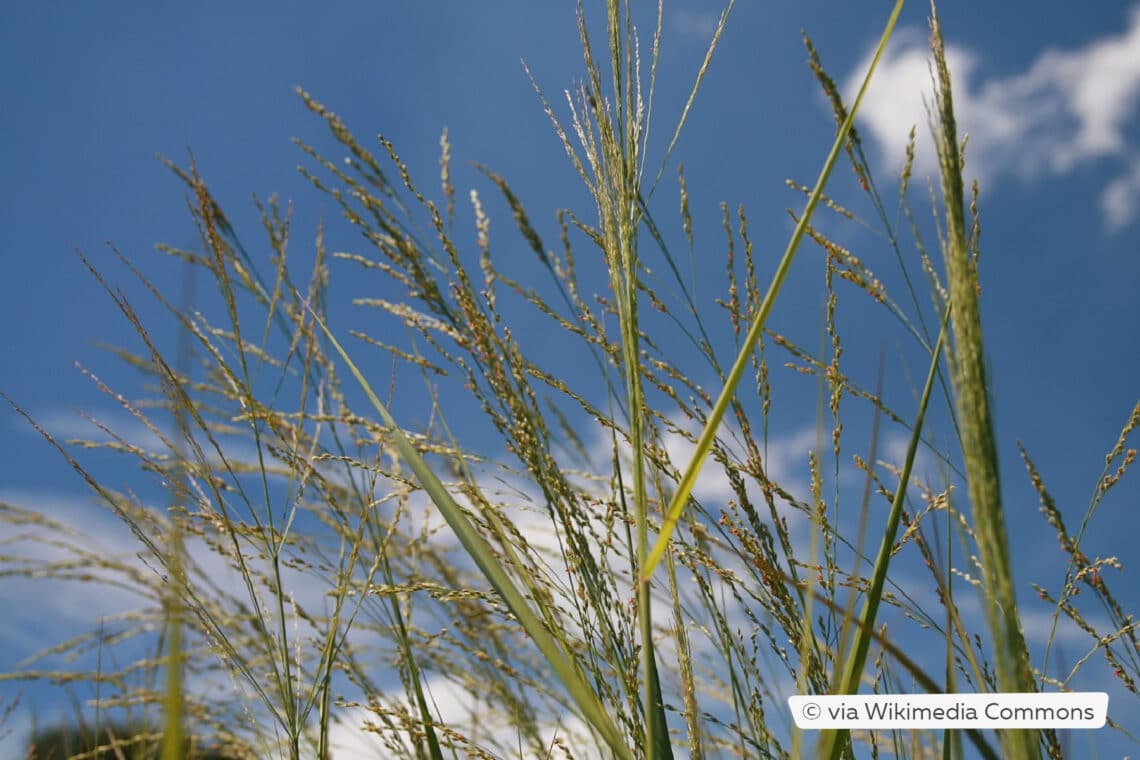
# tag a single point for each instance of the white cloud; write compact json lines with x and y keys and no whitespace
{"x":1119,"y":199}
{"x":1037,"y":625}
{"x":926,"y":468}
{"x":18,"y":726}
{"x":67,"y":607}
{"x":1065,"y":110}
{"x":785,"y":463}
{"x":65,"y":425}
{"x":353,"y":736}
{"x":348,"y":739}
{"x":88,"y":534}
{"x":695,"y":26}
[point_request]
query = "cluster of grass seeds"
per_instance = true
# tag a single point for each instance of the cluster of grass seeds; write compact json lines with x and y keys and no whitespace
{"x":320,"y":560}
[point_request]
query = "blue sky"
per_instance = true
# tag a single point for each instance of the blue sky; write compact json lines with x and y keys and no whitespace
{"x":1050,"y":100}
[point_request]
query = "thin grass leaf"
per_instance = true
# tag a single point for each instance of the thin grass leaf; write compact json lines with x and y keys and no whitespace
{"x":708,"y":435}
{"x":832,"y":741}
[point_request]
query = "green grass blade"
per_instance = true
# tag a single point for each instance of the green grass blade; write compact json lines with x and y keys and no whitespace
{"x":708,"y":435}
{"x":832,"y":741}
{"x":483,"y":556}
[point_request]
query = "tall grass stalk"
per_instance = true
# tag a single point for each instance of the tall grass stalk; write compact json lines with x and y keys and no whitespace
{"x":972,"y":397}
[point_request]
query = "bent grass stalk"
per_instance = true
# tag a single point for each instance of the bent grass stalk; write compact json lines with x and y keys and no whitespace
{"x":481,"y":552}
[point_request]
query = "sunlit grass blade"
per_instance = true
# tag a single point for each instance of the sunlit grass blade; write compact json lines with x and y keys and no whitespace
{"x":708,"y":435}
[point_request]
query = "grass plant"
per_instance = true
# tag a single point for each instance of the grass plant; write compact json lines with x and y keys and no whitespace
{"x":331,"y":554}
